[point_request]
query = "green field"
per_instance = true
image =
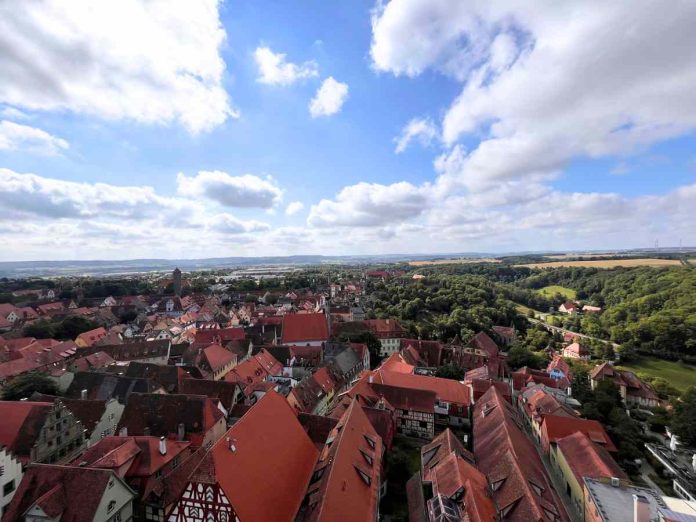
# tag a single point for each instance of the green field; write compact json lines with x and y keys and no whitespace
{"x":550,"y":291}
{"x":679,"y":375}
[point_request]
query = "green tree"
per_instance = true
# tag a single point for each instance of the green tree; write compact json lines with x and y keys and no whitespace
{"x":25,"y":385}
{"x":684,"y":417}
{"x":450,"y":371}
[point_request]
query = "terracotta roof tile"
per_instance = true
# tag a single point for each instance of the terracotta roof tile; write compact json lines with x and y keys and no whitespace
{"x":301,"y":328}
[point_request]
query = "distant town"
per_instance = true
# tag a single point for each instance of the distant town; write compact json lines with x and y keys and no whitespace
{"x":425,"y":391}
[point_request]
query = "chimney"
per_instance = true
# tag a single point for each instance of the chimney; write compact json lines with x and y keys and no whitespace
{"x":570,"y":391}
{"x":693,"y":462}
{"x":83,"y":394}
{"x":163,"y":446}
{"x":641,"y":509}
{"x":123,"y":432}
{"x":181,"y":431}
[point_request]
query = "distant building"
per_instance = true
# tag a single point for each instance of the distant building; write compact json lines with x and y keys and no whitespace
{"x":576,"y":351}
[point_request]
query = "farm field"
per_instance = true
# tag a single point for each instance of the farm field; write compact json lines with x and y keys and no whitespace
{"x":607,"y":263}
{"x":681,"y":376}
{"x":550,"y":291}
{"x":453,"y":261}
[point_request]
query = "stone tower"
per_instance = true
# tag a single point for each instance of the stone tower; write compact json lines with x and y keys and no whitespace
{"x":176,"y":277}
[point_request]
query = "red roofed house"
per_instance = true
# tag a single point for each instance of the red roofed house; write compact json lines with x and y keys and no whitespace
{"x":141,"y":462}
{"x":90,"y":338}
{"x":414,"y":409}
{"x":536,"y":403}
{"x":461,"y":489}
{"x":193,"y":418}
{"x":633,"y":390}
{"x":40,"y":431}
{"x":575,"y":457}
{"x":569,"y":308}
{"x":521,"y":489}
{"x":54,"y":493}
{"x":305,"y":329}
{"x":258,"y":471}
{"x":388,"y":331}
{"x":346,"y":482}
{"x":219,"y":361}
{"x":219,"y":335}
{"x":452,"y":397}
{"x":555,"y":427}
{"x":482,"y":344}
{"x":576,"y":351}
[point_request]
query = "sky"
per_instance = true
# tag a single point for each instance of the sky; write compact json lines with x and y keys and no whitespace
{"x":179,"y":129}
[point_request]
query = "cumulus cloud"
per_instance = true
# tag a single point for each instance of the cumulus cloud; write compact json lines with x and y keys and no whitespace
{"x":422,"y":129}
{"x":544,"y":83}
{"x":14,"y":136}
{"x":329,"y":99}
{"x":230,"y":191}
{"x":275,"y":70}
{"x":294,"y":207}
{"x":29,"y":194}
{"x":149,"y":62}
{"x":370,"y":204}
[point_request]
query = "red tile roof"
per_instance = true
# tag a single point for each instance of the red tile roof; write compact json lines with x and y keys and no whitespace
{"x":396,"y":363}
{"x":555,"y":427}
{"x":349,"y":467}
{"x":92,"y":336}
{"x":301,"y":328}
{"x":483,"y":342}
{"x":218,"y":357}
{"x":64,"y":492}
{"x":447,"y":390}
{"x":454,"y":474}
{"x":219,"y":335}
{"x":21,"y":424}
{"x":508,"y":457}
{"x":441,"y":446}
{"x":263,"y":464}
{"x":587,"y":459}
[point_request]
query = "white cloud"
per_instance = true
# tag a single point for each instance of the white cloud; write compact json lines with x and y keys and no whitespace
{"x":294,"y":207}
{"x":546,"y":82}
{"x":13,"y":114}
{"x":230,"y":191}
{"x":29,"y":194}
{"x":329,"y":98}
{"x":149,"y":62}
{"x":370,"y":204}
{"x":422,"y":129}
{"x":228,"y":224}
{"x":275,"y":70}
{"x":14,"y":136}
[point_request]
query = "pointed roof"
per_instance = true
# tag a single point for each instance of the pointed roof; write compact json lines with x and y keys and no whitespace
{"x":348,"y":472}
{"x":441,"y":446}
{"x":587,"y":459}
{"x":263,"y":463}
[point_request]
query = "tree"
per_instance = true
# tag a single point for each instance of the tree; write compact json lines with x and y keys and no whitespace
{"x":25,"y":385}
{"x":366,"y":337}
{"x":41,"y":329}
{"x":71,"y":327}
{"x":684,"y":418}
{"x":450,"y":371}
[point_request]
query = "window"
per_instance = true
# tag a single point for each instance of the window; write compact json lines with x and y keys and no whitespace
{"x":8,"y":488}
{"x":369,"y":441}
{"x":175,"y":462}
{"x":364,"y":476}
{"x":111,"y":506}
{"x":368,"y":458}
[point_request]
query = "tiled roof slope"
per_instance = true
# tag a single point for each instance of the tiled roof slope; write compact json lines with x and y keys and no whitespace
{"x":521,"y":488}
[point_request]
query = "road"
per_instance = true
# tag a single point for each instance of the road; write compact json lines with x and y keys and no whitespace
{"x":560,"y":330}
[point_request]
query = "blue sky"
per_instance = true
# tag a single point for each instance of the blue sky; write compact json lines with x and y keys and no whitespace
{"x":526,"y":134}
